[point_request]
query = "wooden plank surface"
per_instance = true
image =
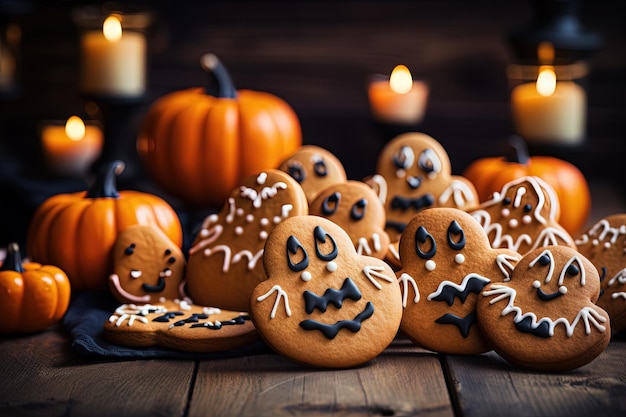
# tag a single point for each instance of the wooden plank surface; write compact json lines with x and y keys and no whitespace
{"x":487,"y":385}
{"x":41,"y":376}
{"x":403,"y":381}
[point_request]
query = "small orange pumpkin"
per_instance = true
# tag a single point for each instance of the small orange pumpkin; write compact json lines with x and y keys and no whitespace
{"x":490,"y":174}
{"x":76,"y":231}
{"x":198,"y":144}
{"x":32,"y":296}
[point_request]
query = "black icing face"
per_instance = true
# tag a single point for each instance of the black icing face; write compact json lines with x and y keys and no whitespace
{"x":552,"y":287}
{"x":426,"y":244}
{"x":416,"y":166}
{"x":299,"y":171}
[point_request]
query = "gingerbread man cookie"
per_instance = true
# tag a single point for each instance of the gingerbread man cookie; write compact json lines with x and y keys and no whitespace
{"x":355,"y":207}
{"x":314,"y":168}
{"x":446,"y":262}
{"x":523,"y":216}
{"x":413,"y":173}
{"x":545,"y":317}
{"x":225,"y":259}
{"x":323,"y":305}
{"x":147,"y":266}
{"x":604,"y":244}
{"x":179,"y":325}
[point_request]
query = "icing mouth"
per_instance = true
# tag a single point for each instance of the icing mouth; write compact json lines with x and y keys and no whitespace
{"x":115,"y":280}
{"x":159,"y":287}
{"x":331,"y":330}
{"x":416,"y":203}
{"x":547,"y":297}
{"x":331,"y":296}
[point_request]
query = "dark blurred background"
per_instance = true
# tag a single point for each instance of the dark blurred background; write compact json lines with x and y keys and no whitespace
{"x":317,"y":56}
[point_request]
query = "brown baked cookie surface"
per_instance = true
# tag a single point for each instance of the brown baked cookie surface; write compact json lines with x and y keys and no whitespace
{"x":147,"y":266}
{"x":225,"y":260}
{"x":545,"y":317}
{"x":446,"y":262}
{"x":179,"y":325}
{"x":604,"y":244}
{"x":323,"y":305}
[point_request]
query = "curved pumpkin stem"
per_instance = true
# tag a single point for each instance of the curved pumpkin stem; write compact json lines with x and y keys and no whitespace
{"x":13,"y":260}
{"x":220,"y":85}
{"x":105,"y":185}
{"x":517,"y":151}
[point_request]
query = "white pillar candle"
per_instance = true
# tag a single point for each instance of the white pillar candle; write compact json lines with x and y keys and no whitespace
{"x":113,"y":62}
{"x":398,"y":99}
{"x":550,"y":111}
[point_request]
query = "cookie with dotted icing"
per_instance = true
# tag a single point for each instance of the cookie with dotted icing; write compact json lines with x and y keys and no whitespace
{"x":179,"y":325}
{"x":446,"y":262}
{"x":545,"y":317}
{"x":604,"y":244}
{"x":413,"y":172}
{"x":147,"y":266}
{"x":314,"y":168}
{"x":224,"y":263}
{"x":355,"y":207}
{"x":323,"y":305}
{"x":523,"y":216}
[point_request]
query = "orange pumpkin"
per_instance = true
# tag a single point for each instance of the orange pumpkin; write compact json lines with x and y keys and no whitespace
{"x":198,"y":144}
{"x":490,"y":174}
{"x":76,"y":231}
{"x":32,"y":296}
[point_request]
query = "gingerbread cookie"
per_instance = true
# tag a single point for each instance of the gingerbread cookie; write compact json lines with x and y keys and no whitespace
{"x":604,"y":244}
{"x":545,"y":317}
{"x":147,"y":266}
{"x":314,"y":168}
{"x":413,"y":173}
{"x":446,"y":262}
{"x":179,"y":325}
{"x":523,"y":216}
{"x":225,"y":259}
{"x":355,"y":207}
{"x":323,"y":305}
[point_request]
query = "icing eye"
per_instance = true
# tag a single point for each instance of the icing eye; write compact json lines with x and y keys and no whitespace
{"x":358,"y":209}
{"x":130,"y":249}
{"x":544,"y":260}
{"x":429,"y":161}
{"x":527,"y":208}
{"x":320,"y":168}
{"x":292,"y":249}
{"x":572,"y":270}
{"x":167,"y":252}
{"x":506,"y":201}
{"x":297,"y":172}
{"x":171,"y":260}
{"x":404,"y":158}
{"x":421,"y":237}
{"x":331,"y":204}
{"x":455,"y":230}
{"x":320,"y":237}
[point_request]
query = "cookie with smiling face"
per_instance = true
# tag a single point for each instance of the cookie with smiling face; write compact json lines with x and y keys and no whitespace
{"x":446,"y":261}
{"x":523,"y":216}
{"x":225,"y":259}
{"x":545,"y":317}
{"x":604,"y":244}
{"x":147,"y":266}
{"x":323,"y":305}
{"x":314,"y":168}
{"x":355,"y":207}
{"x":413,"y":173}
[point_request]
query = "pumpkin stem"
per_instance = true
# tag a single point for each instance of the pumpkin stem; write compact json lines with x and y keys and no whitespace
{"x":220,"y":83}
{"x":517,"y":151}
{"x":13,"y":260}
{"x":105,"y":185}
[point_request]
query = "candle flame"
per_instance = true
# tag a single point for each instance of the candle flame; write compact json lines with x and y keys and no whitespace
{"x":75,"y":128}
{"x":112,"y":28}
{"x":546,"y":81}
{"x":400,"y":80}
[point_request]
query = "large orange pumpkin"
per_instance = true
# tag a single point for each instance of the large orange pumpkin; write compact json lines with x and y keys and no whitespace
{"x":198,"y":144}
{"x":490,"y":174}
{"x":76,"y":231}
{"x":32,"y":296}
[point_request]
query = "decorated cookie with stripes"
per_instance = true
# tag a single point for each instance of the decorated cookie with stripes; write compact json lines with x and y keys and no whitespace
{"x":323,"y":304}
{"x":225,"y":259}
{"x":446,"y":262}
{"x":545,"y":317}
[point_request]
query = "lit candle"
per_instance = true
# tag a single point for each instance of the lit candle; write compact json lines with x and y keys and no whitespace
{"x":549,"y":110}
{"x":113,"y":62}
{"x":70,"y":149}
{"x":398,"y":99}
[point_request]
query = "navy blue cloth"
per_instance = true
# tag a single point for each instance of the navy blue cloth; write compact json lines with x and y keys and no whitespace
{"x":89,"y":311}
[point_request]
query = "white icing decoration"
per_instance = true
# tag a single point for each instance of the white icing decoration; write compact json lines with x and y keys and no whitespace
{"x":372,"y":272}
{"x":394,"y":252}
{"x":587,"y":314}
{"x":428,"y":155}
{"x":513,"y":223}
{"x":331,"y":266}
{"x":264,"y":221}
{"x":504,"y":263}
{"x":618,"y":294}
{"x":363,"y":246}
{"x":249,"y":218}
{"x":135,"y":273}
{"x":381,"y":183}
{"x":252,"y":259}
{"x":238,"y":230}
{"x":518,"y":196}
{"x":266,"y":193}
{"x":460,"y":288}
{"x":261,"y":178}
{"x":619,"y":277}
{"x":405,"y":279}
{"x":527,"y":219}
{"x":306,"y":276}
{"x":602,"y":230}
{"x":230,"y":217}
{"x":459,"y":258}
{"x":280,"y":293}
{"x":505,"y":212}
{"x":239,"y":212}
{"x":132,"y":312}
{"x":211,"y":236}
{"x":263,"y":235}
{"x":573,"y":259}
{"x":430,"y":265}
{"x":115,"y":280}
{"x":460,"y":193}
